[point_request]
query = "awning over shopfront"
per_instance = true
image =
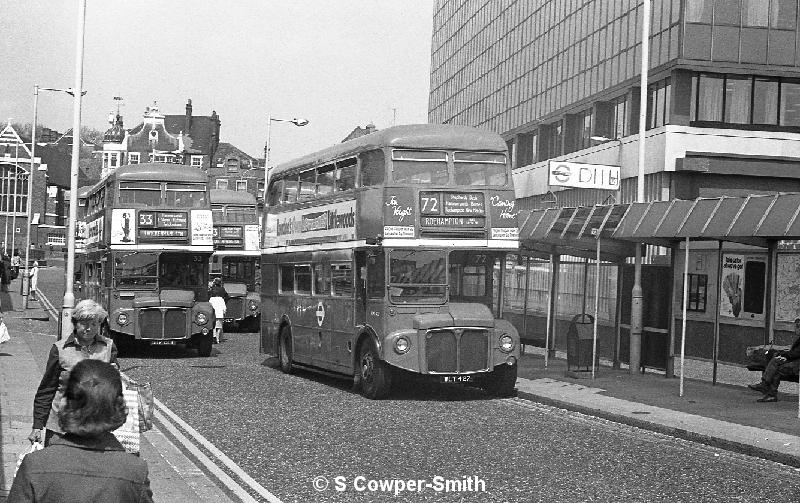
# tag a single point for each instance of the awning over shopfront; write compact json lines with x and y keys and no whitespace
{"x":753,"y":220}
{"x":575,"y":231}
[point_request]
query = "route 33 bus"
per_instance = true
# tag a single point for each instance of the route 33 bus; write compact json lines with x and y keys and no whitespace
{"x":381,"y":259}
{"x":148,"y":239}
{"x":237,"y":251}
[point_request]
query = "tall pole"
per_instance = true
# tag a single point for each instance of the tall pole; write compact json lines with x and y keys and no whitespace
{"x":69,"y":294}
{"x":266,"y":160}
{"x":25,"y":278}
{"x":636,"y":294}
{"x":14,"y":208}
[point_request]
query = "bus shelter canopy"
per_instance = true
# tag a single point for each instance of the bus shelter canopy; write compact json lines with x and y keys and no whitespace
{"x":575,"y":231}
{"x":753,"y":220}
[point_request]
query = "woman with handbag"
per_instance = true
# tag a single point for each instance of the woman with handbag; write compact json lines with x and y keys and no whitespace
{"x":85,"y":342}
{"x":87,"y":463}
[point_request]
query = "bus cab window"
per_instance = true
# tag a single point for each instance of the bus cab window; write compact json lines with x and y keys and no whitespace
{"x":346,"y":175}
{"x":287,"y":279}
{"x":342,"y":280}
{"x":375,"y":276}
{"x":373,"y":167}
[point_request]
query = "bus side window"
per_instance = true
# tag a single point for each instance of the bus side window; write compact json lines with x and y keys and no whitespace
{"x":275,"y":193}
{"x":346,"y":175}
{"x":287,"y":279}
{"x":373,"y":168}
{"x":325,"y":179}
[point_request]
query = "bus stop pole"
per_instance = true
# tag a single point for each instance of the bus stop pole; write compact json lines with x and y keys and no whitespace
{"x":596,"y":307}
{"x":685,"y":303}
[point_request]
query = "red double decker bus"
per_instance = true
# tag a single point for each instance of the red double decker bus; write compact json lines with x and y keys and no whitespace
{"x":382,"y":257}
{"x":148,"y":238}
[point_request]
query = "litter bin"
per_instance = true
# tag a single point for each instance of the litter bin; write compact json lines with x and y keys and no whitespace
{"x":579,"y":342}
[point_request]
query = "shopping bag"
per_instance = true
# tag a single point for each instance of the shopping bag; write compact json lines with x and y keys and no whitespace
{"x":146,"y":406}
{"x":4,"y":335}
{"x":33,"y":448}
{"x":128,"y":433}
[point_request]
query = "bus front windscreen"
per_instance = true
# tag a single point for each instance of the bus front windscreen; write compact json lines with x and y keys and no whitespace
{"x":137,"y":270}
{"x":417,"y":276}
{"x":183,"y":271}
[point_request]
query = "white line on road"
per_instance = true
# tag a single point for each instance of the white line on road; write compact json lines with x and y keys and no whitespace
{"x":221,"y":475}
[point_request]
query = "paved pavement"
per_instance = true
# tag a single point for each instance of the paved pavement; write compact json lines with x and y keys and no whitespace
{"x":725,"y":415}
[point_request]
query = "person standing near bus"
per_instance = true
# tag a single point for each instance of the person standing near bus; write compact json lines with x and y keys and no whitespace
{"x":218,"y":296}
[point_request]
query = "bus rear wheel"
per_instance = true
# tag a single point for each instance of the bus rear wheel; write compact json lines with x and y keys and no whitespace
{"x":376,"y":376}
{"x":285,"y":352}
{"x":501,"y":381}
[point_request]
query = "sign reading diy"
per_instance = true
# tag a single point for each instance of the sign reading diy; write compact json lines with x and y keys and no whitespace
{"x":584,"y":176}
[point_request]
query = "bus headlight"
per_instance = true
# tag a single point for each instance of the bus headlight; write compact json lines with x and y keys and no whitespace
{"x":506,"y":343}
{"x":122,"y":319}
{"x":253,"y":306}
{"x":201,"y":318}
{"x":401,"y":345}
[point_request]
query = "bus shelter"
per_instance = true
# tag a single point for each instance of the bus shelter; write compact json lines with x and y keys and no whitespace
{"x":756,"y":220}
{"x":585,"y":231}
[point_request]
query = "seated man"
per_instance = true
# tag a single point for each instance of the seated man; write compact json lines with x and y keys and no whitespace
{"x":784,"y":364}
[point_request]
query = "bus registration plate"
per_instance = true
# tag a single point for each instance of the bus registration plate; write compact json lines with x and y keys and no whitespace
{"x":457,"y":378}
{"x":165,"y":342}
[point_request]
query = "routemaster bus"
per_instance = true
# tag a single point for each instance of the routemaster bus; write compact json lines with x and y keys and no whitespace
{"x":237,"y":250}
{"x":148,"y":236}
{"x":382,"y":256}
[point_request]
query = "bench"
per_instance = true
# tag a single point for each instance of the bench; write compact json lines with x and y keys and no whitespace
{"x":759,"y":356}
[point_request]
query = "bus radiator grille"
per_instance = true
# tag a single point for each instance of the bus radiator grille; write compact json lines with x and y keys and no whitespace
{"x":457,"y":350}
{"x":151,"y":325}
{"x":158,"y":324}
{"x":234,"y":308}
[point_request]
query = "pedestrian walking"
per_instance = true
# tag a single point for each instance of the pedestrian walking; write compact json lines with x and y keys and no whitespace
{"x":780,"y":366}
{"x":16,"y":262}
{"x":85,"y":342}
{"x":87,"y":463}
{"x":34,"y":277}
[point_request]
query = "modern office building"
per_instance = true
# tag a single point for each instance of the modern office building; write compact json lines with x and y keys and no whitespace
{"x":560,"y":80}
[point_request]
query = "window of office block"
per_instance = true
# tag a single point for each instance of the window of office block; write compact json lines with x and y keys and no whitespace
{"x":783,"y":14}
{"x":658,"y":103}
{"x":553,"y":140}
{"x":709,"y":97}
{"x":790,"y":103}
{"x":527,"y":148}
{"x":620,"y":117}
{"x":738,"y":91}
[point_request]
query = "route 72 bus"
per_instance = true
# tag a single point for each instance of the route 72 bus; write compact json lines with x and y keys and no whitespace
{"x":237,"y":251}
{"x":148,"y":238}
{"x":381,"y":259}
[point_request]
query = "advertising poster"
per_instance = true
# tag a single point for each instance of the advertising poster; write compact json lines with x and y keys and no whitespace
{"x":730,"y":303}
{"x":123,"y":227}
{"x":202,"y":227}
{"x":787,"y":297}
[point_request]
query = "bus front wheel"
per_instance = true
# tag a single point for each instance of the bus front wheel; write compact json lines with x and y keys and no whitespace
{"x":375,"y":378}
{"x":501,"y":381}
{"x":285,"y":352}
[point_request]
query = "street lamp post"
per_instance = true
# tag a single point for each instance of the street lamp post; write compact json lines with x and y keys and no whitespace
{"x":69,"y":295}
{"x":270,"y":120}
{"x":636,"y":294}
{"x":36,"y":89}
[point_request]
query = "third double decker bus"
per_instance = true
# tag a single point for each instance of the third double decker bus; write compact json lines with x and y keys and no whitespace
{"x":382,"y":257}
{"x":237,"y":250}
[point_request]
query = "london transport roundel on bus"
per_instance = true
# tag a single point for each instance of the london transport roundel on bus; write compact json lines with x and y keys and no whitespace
{"x":320,"y":313}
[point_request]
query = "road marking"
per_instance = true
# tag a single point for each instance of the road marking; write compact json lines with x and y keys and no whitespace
{"x":225,"y":460}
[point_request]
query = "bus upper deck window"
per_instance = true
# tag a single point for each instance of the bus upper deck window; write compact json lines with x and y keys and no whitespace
{"x":275,"y":192}
{"x":419,"y":166}
{"x":289,"y":190}
{"x":308,"y":185}
{"x":345,"y":174}
{"x":146,"y":193}
{"x":373,"y":168}
{"x":478,"y":168}
{"x":326,"y":179}
{"x":186,"y":195}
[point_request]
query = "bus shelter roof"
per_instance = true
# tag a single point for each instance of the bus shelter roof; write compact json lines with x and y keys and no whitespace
{"x":754,"y":219}
{"x":575,"y":231}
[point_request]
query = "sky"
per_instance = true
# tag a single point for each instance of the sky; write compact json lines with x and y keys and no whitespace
{"x":339,"y":64}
